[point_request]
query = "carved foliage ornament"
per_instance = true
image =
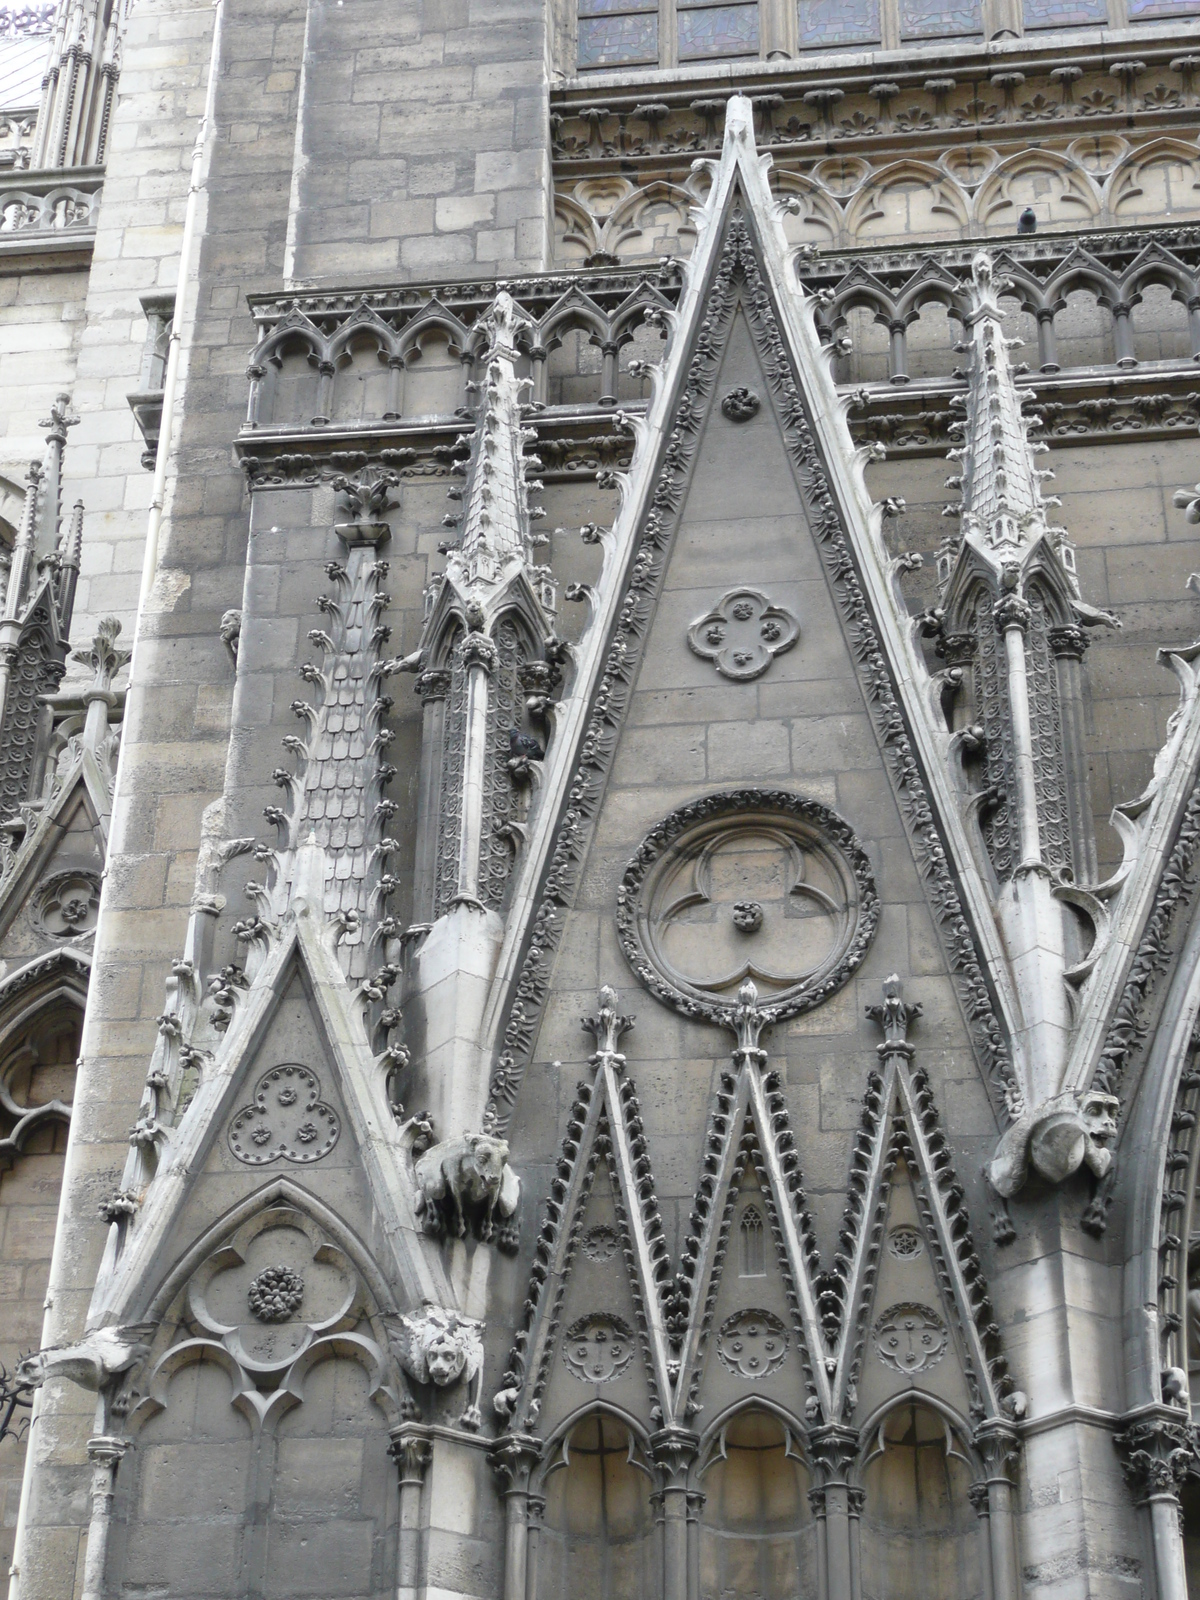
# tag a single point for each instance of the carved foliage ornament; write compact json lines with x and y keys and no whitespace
{"x":740,"y":404}
{"x":598,"y":1348}
{"x":275,"y":1295}
{"x":753,"y":883}
{"x":743,"y":634}
{"x":285,"y":1119}
{"x":752,"y":1344}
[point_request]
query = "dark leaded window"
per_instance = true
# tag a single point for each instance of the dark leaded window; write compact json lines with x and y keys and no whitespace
{"x":1065,"y":13}
{"x":717,"y":30}
{"x":837,"y":22}
{"x":939,"y":19}
{"x":617,"y":32}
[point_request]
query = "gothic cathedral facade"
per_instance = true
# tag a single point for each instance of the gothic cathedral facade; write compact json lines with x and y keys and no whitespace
{"x":600,"y":799}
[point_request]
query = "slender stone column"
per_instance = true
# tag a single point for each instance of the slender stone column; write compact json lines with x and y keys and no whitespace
{"x":479,"y":659}
{"x":534,"y":1513}
{"x":412,"y":1452}
{"x":835,"y":1447}
{"x":1068,"y":644}
{"x":999,"y":1445}
{"x":105,"y":1453}
{"x":978,"y":1496}
{"x":1123,"y":333}
{"x":695,"y":1505}
{"x":816,"y":1501}
{"x":1047,"y":340}
{"x":433,"y":687}
{"x":674,"y":1450}
{"x":1012,"y":618}
{"x":897,"y":350}
{"x":513,"y":1459}
{"x":1156,"y":1449}
{"x":855,"y":1499}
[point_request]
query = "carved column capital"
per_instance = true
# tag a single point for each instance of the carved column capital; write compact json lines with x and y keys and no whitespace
{"x":106,"y":1450}
{"x":412,"y":1452}
{"x":977,"y":1494}
{"x":816,"y":1501}
{"x":1156,"y":1451}
{"x":673,"y":1450}
{"x":957,"y":649}
{"x":434,"y":684}
{"x":513,"y":1458}
{"x":999,"y":1444}
{"x":1012,"y":612}
{"x":479,"y":651}
{"x":834,"y":1448}
{"x":1070,"y":641}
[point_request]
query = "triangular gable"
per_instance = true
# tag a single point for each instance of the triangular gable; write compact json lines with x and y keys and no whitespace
{"x":740,"y":262}
{"x":225,"y":1031}
{"x":902,"y":1182}
{"x":604,"y":1126}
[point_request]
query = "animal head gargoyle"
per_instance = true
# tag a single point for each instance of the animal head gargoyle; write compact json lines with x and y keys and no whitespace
{"x":94,"y":1362}
{"x":1056,"y":1138}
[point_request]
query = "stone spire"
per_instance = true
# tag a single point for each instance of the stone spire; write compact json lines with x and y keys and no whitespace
{"x":333,"y":824}
{"x":495,"y":519}
{"x":1003,"y":510}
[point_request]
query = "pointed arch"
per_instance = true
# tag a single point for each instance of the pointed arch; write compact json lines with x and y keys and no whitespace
{"x":38,"y":1004}
{"x":280,"y":1192}
{"x":1002,"y":194}
{"x":1136,"y":188}
{"x":905,"y":199}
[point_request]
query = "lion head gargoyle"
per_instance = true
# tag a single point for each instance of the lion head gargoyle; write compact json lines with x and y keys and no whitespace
{"x":440,"y":1347}
{"x":1056,"y":1138}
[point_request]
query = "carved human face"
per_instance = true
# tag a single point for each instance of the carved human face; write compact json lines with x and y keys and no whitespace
{"x":1099,"y":1113}
{"x":444,"y":1360}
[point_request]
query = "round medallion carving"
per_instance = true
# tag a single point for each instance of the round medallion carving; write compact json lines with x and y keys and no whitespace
{"x":600,"y":1243}
{"x":910,"y":1337}
{"x":905,"y":1243}
{"x":66,"y":904}
{"x":753,"y":883}
{"x":752,"y":1343}
{"x":598,"y":1348}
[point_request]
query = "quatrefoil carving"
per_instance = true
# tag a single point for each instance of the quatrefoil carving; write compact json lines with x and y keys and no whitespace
{"x":743,"y":634}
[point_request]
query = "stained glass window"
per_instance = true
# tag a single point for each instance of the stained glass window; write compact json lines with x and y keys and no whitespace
{"x":1064,"y":13}
{"x":618,"y":32}
{"x":939,"y":19}
{"x":717,"y":30}
{"x":1161,"y":8}
{"x":834,"y":22}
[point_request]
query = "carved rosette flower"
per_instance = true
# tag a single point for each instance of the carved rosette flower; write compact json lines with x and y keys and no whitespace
{"x":275,"y":1295}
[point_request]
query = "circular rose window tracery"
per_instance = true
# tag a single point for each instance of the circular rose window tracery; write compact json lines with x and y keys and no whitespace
{"x":752,"y":883}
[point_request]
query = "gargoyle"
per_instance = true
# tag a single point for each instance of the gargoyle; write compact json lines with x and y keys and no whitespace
{"x":440,"y":1347}
{"x":94,"y":1362}
{"x":468,"y":1179}
{"x":1056,"y":1138}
